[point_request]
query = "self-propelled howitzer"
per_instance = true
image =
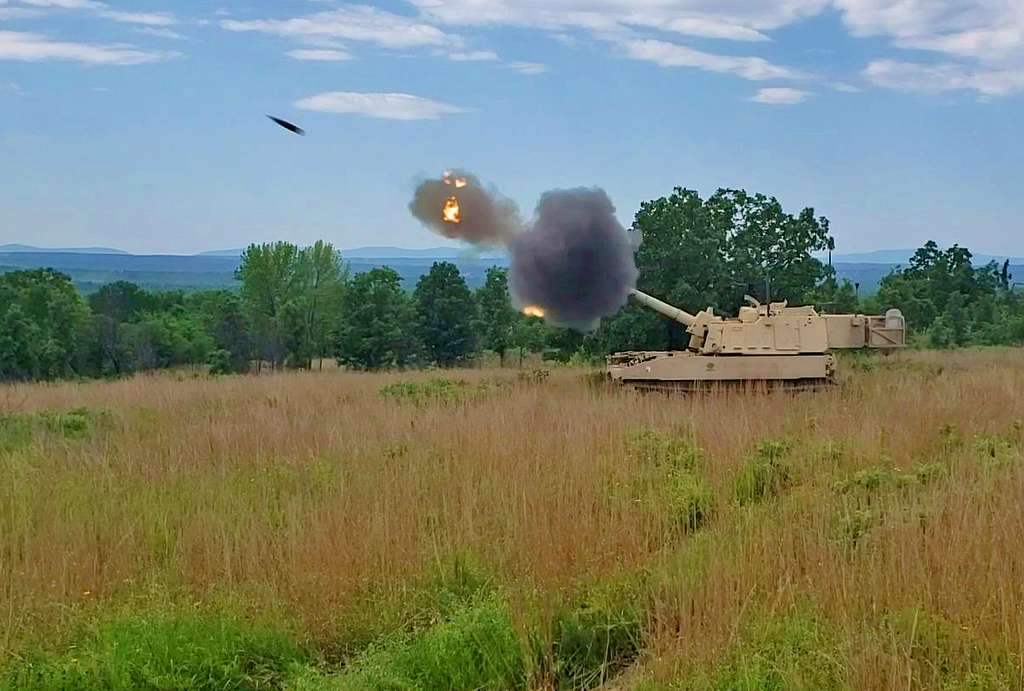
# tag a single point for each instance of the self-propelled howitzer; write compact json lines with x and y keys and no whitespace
{"x":772,"y":343}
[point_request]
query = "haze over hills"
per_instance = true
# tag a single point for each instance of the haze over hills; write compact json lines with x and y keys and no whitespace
{"x":891,"y":257}
{"x":388,"y":253}
{"x":903,"y":256}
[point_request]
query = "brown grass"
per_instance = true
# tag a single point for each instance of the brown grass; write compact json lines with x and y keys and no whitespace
{"x":302,"y":493}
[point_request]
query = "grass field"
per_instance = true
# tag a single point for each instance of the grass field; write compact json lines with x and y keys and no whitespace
{"x":491,"y":530}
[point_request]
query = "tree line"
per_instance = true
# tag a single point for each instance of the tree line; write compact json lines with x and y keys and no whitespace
{"x":296,"y":306}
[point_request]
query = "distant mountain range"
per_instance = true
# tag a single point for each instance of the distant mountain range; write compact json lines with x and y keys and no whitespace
{"x":92,"y":267}
{"x":18,"y":249}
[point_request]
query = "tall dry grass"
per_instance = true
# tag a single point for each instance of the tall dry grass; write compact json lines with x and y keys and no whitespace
{"x":302,"y":493}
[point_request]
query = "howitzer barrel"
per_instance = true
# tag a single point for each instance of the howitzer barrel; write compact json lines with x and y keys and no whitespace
{"x":681,"y":316}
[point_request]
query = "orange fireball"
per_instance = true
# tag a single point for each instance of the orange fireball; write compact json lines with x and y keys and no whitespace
{"x":451,"y":213}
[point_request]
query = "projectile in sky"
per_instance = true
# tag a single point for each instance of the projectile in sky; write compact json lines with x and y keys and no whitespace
{"x":287,"y":125}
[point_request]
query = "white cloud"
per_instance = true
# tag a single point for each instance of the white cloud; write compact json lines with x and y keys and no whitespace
{"x":846,"y":87}
{"x":938,"y":78}
{"x":144,"y":18}
{"x":30,"y":47}
{"x":319,"y":54}
{"x":18,"y":12}
{"x":11,"y":88}
{"x":388,"y":106}
{"x":65,"y":4}
{"x":779,"y":96}
{"x":977,"y":44}
{"x":102,"y":9}
{"x":668,"y":54}
{"x":738,"y":20}
{"x":352,"y":23}
{"x":474,"y":56}
{"x":981,"y":43}
{"x":520,"y":66}
{"x":623,"y":22}
{"x":530,"y":68}
{"x":161,"y":32}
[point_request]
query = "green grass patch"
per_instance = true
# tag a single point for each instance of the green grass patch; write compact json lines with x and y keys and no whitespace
{"x":666,"y":450}
{"x":159,"y":651}
{"x":765,"y":474}
{"x":18,"y":430}
{"x":595,"y":640}
{"x":671,"y":479}
{"x":795,"y":652}
{"x":997,"y":451}
{"x":690,"y":499}
{"x":865,"y":485}
{"x":854,"y":525}
{"x":449,"y":586}
{"x":437,"y":391}
{"x":947,"y":657}
{"x":477,"y":647}
{"x":867,"y":497}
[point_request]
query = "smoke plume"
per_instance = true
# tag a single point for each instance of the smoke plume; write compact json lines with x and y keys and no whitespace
{"x":575,"y":261}
{"x":487,"y":218}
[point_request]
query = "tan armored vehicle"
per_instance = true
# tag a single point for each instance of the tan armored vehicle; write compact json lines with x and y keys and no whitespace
{"x":766,"y":343}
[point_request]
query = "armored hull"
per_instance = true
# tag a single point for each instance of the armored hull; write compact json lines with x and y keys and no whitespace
{"x":661,"y":370}
{"x":767,"y":345}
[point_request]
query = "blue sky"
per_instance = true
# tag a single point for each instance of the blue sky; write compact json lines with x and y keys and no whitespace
{"x":140,"y":124}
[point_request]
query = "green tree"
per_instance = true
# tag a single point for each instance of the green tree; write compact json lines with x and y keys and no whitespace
{"x":122,"y":301}
{"x":323,"y":280}
{"x":45,"y":325}
{"x":529,"y":335}
{"x":949,"y":301}
{"x":291,"y":299}
{"x":699,"y":253}
{"x":377,"y":329}
{"x":771,"y":250}
{"x":445,"y":312}
{"x":833,"y":297}
{"x":19,"y":335}
{"x":224,"y":320}
{"x":114,"y":307}
{"x":495,"y":315}
{"x":169,"y":338}
{"x":271,"y":279}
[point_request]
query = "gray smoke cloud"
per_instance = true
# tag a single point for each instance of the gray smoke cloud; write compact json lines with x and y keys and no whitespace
{"x":487,"y":218}
{"x":575,"y":261}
